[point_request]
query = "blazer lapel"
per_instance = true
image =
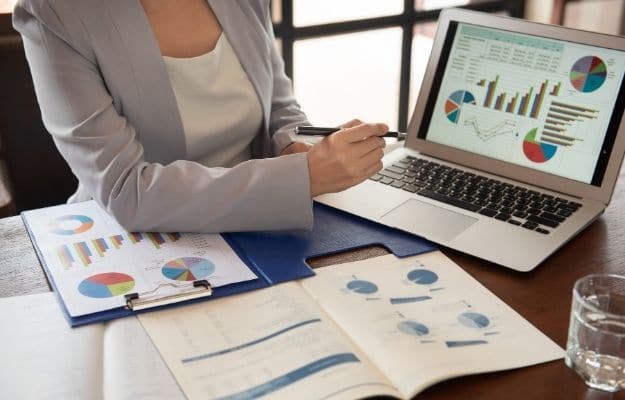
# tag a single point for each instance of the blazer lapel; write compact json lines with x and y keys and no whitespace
{"x":152,"y":103}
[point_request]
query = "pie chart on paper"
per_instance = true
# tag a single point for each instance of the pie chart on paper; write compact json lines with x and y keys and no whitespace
{"x":422,"y":276}
{"x":453,"y":104}
{"x":108,"y":284}
{"x":413,"y":328}
{"x":362,"y":286}
{"x":188,"y":269}
{"x":474,"y":320}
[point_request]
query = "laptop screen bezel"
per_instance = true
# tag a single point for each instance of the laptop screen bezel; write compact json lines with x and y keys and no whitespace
{"x":421,"y":116}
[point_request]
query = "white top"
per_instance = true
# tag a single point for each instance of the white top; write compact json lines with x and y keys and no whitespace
{"x":220,"y":111}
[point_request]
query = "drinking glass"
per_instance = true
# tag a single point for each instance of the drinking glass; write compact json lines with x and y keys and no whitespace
{"x":596,"y":342}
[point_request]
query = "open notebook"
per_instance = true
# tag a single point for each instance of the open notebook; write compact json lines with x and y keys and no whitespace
{"x":382,"y":326}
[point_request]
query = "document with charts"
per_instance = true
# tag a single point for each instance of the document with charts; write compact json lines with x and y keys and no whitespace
{"x":94,"y":262}
{"x":382,"y":326}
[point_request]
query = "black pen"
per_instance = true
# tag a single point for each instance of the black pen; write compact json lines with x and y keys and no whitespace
{"x":326,"y":131}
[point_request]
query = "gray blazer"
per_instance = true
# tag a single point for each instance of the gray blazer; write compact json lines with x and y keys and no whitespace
{"x":106,"y":99}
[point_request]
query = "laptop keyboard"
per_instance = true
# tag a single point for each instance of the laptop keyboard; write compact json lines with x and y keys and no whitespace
{"x":529,"y":209}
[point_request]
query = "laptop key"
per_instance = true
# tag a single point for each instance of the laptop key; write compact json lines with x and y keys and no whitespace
{"x":543,"y":221}
{"x":541,"y":230}
{"x":398,"y":184}
{"x":489,"y":212}
{"x":448,"y":200}
{"x":565,"y":213}
{"x":502,"y":216}
{"x":514,"y":222}
{"x":386,"y":180}
{"x":390,"y":174}
{"x":395,"y":169}
{"x":410,"y":188}
{"x":554,"y":217}
{"x":520,"y":214}
{"x":530,"y":225}
{"x":376,"y":177}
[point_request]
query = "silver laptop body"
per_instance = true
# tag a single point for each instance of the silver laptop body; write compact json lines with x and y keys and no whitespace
{"x":536,"y":108}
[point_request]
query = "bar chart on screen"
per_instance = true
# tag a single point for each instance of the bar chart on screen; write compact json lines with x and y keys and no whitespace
{"x":540,"y":103}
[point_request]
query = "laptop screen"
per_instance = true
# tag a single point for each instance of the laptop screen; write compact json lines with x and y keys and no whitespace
{"x":545,"y":104}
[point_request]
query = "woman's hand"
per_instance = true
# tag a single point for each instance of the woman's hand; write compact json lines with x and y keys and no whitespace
{"x":346,"y":157}
{"x":301,"y":147}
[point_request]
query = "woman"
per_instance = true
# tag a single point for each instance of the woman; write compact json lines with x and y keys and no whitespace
{"x":149,"y":100}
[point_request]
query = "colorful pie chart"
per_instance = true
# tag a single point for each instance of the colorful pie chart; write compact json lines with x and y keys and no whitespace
{"x":188,"y":269}
{"x":108,"y":284}
{"x":538,"y":152}
{"x":71,"y":224}
{"x":588,"y":74}
{"x":454,"y":103}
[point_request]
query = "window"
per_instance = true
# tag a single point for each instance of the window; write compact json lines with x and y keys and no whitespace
{"x":364,"y":57}
{"x":6,"y":6}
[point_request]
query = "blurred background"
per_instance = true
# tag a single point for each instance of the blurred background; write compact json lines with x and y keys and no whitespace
{"x":347,"y":58}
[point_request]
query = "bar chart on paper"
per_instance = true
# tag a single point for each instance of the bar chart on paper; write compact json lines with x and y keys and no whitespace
{"x":93,"y":262}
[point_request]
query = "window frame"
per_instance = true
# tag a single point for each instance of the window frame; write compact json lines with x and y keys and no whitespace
{"x":288,"y":34}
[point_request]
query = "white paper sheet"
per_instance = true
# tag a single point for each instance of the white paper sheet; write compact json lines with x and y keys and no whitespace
{"x":423,"y":319}
{"x":273,"y":342}
{"x":42,"y":357}
{"x":94,"y":262}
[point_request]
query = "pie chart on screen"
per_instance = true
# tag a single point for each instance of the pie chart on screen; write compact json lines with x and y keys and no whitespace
{"x":588,"y":74}
{"x":535,"y":151}
{"x":453,"y":104}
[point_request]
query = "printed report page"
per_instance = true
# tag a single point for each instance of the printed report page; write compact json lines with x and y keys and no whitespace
{"x":422,"y":319}
{"x":274,"y":342}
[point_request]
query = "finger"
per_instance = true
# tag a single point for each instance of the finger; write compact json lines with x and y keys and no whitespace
{"x":360,"y":149}
{"x":352,"y":123}
{"x":372,"y":169}
{"x":363,"y":131}
{"x":371,"y":158}
{"x":368,"y":172}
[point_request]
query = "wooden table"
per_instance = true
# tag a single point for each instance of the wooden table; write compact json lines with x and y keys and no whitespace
{"x":543,"y":296}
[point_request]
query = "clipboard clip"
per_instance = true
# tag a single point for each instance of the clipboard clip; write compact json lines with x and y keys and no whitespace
{"x":140,"y":301}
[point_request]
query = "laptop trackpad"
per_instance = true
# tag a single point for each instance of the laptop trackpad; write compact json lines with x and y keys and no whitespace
{"x":426,"y":219}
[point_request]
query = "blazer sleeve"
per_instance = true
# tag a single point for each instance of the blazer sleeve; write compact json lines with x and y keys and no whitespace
{"x":286,"y":113}
{"x":100,"y":146}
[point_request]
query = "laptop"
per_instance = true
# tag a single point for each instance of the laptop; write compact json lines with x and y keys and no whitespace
{"x":514,"y":145}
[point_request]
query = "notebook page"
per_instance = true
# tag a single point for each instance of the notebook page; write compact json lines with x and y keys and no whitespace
{"x":422,"y":319}
{"x":133,"y":368}
{"x":273,"y":342}
{"x":42,"y":356}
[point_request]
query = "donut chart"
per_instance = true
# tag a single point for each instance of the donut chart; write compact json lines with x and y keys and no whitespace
{"x":453,"y":104}
{"x":188,"y":269}
{"x":588,"y":74}
{"x":108,"y":284}
{"x":538,"y":152}
{"x":71,"y":224}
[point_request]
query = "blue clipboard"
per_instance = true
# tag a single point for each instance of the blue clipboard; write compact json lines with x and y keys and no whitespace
{"x":281,"y":256}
